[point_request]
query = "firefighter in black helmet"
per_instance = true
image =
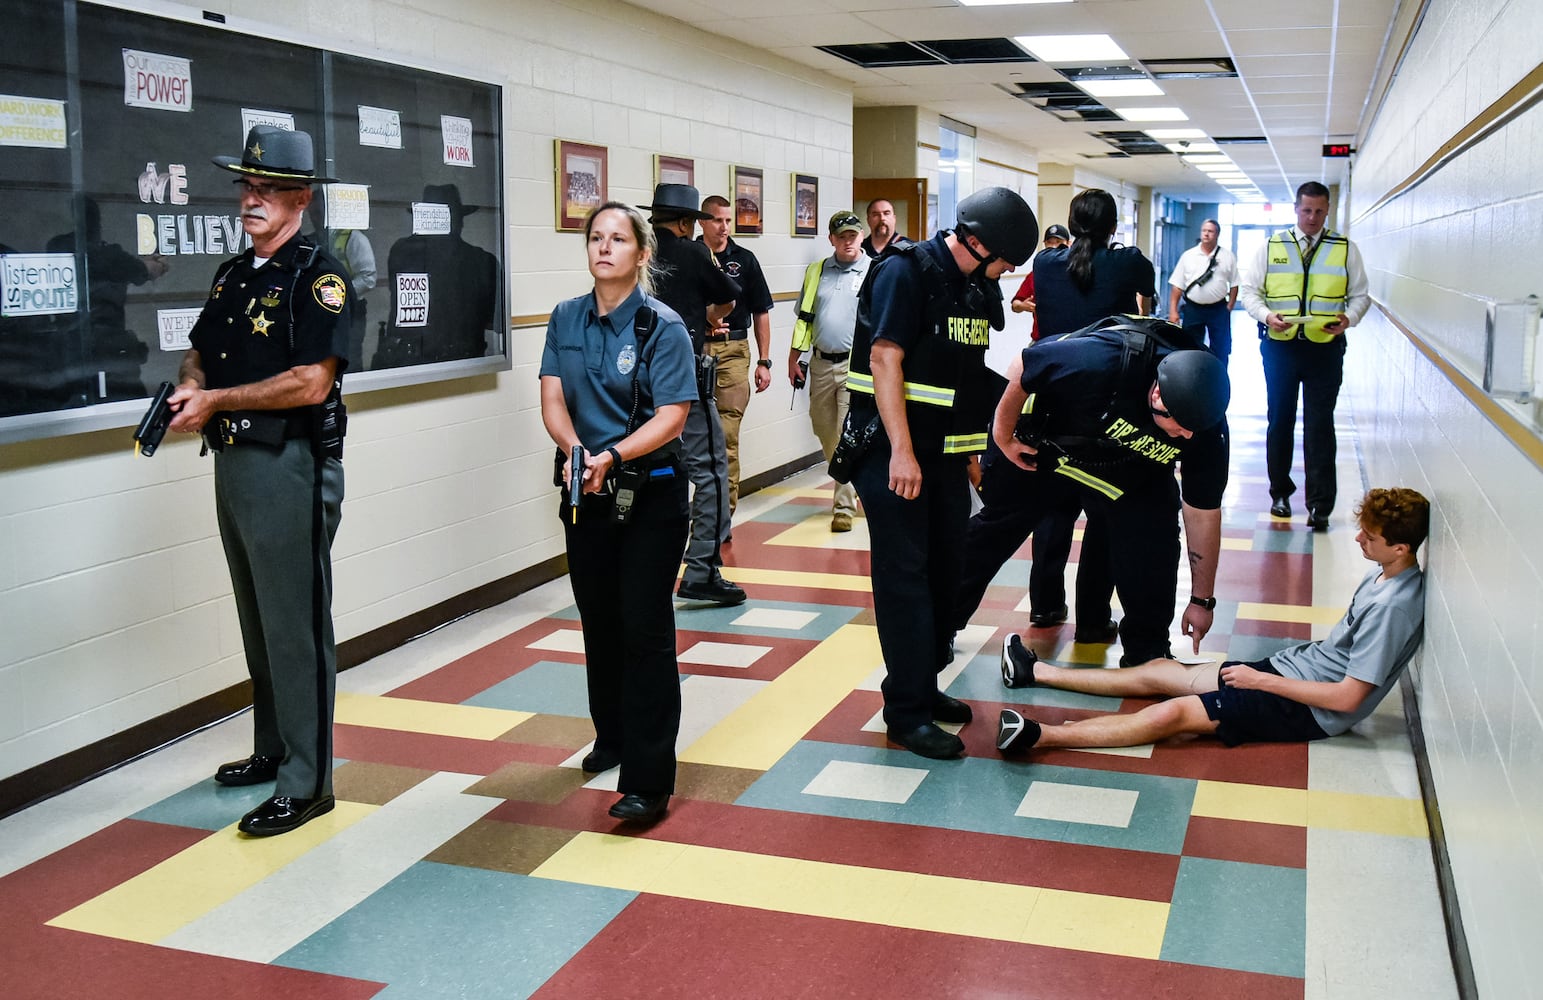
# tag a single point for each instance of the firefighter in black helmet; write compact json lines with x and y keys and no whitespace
{"x":924,"y":321}
{"x":1111,"y":411}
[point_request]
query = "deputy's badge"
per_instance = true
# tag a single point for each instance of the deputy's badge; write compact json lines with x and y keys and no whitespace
{"x":257,"y":151}
{"x":330,"y":292}
{"x":271,"y":296}
{"x":219,"y":286}
{"x":260,"y":324}
{"x":626,"y":360}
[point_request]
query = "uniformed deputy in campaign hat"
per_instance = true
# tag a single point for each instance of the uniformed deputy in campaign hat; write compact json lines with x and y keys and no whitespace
{"x":676,"y":201}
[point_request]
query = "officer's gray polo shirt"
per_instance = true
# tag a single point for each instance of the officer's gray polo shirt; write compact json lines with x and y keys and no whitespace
{"x":835,"y":308}
{"x":595,"y":356}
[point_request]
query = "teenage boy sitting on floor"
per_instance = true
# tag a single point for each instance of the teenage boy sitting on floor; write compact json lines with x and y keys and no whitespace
{"x":1306,"y":692}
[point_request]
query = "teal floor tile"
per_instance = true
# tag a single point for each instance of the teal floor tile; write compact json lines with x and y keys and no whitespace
{"x":981,"y":796}
{"x":703,"y":618}
{"x":1272,"y":540}
{"x":792,"y":513}
{"x":210,"y":805}
{"x":1231,"y":915}
{"x":443,"y":932}
{"x":547,"y":687}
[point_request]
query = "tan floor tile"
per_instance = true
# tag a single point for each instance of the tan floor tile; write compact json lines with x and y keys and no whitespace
{"x":503,"y":847}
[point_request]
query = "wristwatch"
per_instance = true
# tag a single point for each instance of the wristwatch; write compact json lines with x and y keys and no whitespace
{"x":764,"y":363}
{"x":1209,"y":603}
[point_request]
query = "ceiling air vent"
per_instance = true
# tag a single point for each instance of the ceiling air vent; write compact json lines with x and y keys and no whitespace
{"x":976,"y":50}
{"x":875,"y":55}
{"x":1134,"y":143}
{"x":1217,"y":68}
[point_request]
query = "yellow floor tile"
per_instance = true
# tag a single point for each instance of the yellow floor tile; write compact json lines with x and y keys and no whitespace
{"x":995,"y":911}
{"x":794,"y":578}
{"x":431,"y":717}
{"x":1397,"y":817}
{"x":1251,"y":803}
{"x":1315,"y":615}
{"x":759,"y":732}
{"x":194,"y":881}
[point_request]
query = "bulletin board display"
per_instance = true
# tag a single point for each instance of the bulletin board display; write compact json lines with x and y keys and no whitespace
{"x":113,"y":220}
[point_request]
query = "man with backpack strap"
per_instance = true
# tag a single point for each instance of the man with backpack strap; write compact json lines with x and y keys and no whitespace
{"x":1203,"y":289}
{"x":918,"y":371}
{"x":1110,"y":411}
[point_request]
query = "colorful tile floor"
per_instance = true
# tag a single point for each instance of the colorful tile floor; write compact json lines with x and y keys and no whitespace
{"x":469,"y":857}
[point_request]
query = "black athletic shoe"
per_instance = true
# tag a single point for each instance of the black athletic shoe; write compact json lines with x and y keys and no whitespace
{"x":1017,"y":663}
{"x":1015,"y":732}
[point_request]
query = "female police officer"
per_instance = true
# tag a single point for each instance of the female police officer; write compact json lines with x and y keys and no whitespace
{"x":617,"y":378}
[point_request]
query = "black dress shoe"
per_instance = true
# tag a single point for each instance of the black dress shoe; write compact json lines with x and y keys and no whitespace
{"x":1017,"y":663}
{"x":635,"y":808}
{"x":1015,"y":732}
{"x":1045,"y":619}
{"x":946,"y":709}
{"x":600,"y":760}
{"x":282,"y":814}
{"x":927,"y":740}
{"x":718,"y":591}
{"x":1280,"y":508}
{"x":1095,"y":634}
{"x":255,"y":770}
{"x":1318,"y":519}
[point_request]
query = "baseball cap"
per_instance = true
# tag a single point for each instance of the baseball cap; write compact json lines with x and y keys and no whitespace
{"x":845,"y":221}
{"x":1058,"y":232}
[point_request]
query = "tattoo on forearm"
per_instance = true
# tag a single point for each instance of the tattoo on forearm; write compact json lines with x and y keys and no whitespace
{"x":1195,"y":559}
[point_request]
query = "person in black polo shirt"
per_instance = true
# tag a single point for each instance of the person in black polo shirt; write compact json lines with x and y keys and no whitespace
{"x":262,"y":382}
{"x":691,"y":283}
{"x":729,"y":341}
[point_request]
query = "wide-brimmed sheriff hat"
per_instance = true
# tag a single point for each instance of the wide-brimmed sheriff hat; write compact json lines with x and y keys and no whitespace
{"x":277,"y":153}
{"x":677,"y":201}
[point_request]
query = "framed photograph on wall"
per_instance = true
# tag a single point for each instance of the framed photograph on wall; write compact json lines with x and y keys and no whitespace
{"x":748,"y":198}
{"x":581,"y":183}
{"x":806,"y":205}
{"x":674,"y":170}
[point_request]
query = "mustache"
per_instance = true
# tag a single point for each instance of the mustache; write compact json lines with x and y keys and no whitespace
{"x":255,"y":213}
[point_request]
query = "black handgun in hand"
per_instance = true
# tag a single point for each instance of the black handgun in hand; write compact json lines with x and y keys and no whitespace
{"x":152,"y":426}
{"x":576,"y":481}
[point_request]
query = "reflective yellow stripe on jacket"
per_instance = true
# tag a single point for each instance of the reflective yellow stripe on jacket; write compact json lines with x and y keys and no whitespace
{"x":1089,"y":480}
{"x":1291,"y":289}
{"x":915,"y":392}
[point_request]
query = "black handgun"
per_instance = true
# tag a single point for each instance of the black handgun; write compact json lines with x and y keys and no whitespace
{"x":575,"y":481}
{"x":152,"y":426}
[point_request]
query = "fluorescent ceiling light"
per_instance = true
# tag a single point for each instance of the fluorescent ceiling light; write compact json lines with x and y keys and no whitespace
{"x":1004,"y":3}
{"x":1193,"y":147}
{"x":1072,"y":48}
{"x":1166,"y":134}
{"x":1120,"y":88}
{"x":1151,"y":114}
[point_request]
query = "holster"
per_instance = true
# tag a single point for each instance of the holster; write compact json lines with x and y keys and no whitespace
{"x":706,"y":377}
{"x":854,"y":443}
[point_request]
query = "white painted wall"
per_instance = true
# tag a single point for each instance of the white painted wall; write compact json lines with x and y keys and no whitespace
{"x":114,"y":602}
{"x":1436,"y":256}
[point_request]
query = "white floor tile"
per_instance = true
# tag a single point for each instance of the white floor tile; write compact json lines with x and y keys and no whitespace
{"x":1078,"y":804}
{"x":842,"y":779}
{"x":563,"y":640}
{"x":780,"y":618}
{"x":724,"y":654}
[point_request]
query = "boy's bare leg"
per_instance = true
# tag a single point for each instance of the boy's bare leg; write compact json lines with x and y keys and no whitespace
{"x":1156,"y":722}
{"x":1155,"y":678}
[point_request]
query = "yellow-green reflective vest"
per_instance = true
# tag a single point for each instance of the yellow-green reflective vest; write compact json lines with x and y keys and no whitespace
{"x":1317,"y":288}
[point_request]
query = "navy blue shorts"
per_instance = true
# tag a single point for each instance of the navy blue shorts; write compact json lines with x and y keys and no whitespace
{"x":1248,"y":716}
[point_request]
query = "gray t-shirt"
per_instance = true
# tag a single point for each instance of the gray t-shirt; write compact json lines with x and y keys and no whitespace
{"x":1372,"y":643}
{"x":835,"y":304}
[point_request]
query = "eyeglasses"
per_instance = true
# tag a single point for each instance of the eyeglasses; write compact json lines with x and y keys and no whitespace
{"x":264,"y":190}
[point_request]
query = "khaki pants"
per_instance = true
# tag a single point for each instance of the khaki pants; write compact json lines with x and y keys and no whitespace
{"x":732,"y":395}
{"x":828,"y":412}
